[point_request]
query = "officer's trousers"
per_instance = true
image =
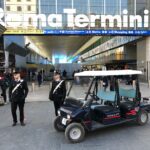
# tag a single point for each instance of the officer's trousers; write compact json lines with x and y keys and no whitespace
{"x":4,"y":95}
{"x":57,"y":105}
{"x":14,"y":106}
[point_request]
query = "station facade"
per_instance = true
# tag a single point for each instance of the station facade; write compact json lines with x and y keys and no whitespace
{"x":129,"y":51}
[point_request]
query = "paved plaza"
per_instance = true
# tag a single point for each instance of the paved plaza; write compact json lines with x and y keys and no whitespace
{"x":39,"y":133}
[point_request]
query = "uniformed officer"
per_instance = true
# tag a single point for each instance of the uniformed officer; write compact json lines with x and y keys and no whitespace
{"x":58,"y":92}
{"x":18,"y":92}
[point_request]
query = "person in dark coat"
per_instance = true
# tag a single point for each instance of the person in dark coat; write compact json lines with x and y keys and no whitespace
{"x":58,"y":92}
{"x":64,"y":74}
{"x":39,"y":78}
{"x":105,"y":83}
{"x":18,"y":92}
{"x":4,"y":83}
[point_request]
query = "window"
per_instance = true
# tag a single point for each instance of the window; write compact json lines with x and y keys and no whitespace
{"x":28,"y":0}
{"x":18,"y":0}
{"x":19,"y":8}
{"x":29,"y":8}
{"x":8,"y":8}
{"x":30,"y":21}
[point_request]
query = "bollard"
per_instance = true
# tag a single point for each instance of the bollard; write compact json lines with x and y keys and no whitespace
{"x":33,"y":86}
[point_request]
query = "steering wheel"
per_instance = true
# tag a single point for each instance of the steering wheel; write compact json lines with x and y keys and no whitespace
{"x":94,"y":96}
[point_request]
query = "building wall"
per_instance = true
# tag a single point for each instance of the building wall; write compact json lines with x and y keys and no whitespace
{"x":21,"y":7}
{"x":20,"y":61}
{"x":32,"y":57}
{"x":148,"y":57}
{"x":141,"y":58}
{"x":14,"y":4}
{"x":130,"y":52}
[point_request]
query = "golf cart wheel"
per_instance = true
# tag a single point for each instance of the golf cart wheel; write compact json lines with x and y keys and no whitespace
{"x":142,"y":118}
{"x":75,"y":133}
{"x":58,"y":125}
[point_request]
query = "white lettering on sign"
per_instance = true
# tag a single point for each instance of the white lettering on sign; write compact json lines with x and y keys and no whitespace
{"x":75,"y":20}
{"x":55,"y":20}
{"x":70,"y":17}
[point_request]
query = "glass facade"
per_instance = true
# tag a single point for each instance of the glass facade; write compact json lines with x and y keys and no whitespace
{"x":95,"y":7}
{"x":1,"y":3}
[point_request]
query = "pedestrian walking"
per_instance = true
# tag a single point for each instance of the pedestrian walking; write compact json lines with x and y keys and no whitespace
{"x":58,"y":92}
{"x":4,"y":83}
{"x":39,"y":77}
{"x":18,"y":92}
{"x":64,"y":74}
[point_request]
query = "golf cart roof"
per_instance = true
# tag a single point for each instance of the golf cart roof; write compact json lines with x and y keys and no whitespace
{"x":108,"y":73}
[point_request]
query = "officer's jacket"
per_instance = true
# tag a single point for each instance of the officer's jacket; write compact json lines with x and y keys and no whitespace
{"x":20,"y":93}
{"x":60,"y":93}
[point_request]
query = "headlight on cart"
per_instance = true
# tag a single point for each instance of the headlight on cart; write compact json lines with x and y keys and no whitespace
{"x":68,"y":117}
{"x":58,"y":112}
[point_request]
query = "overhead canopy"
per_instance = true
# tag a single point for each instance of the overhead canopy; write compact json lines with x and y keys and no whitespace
{"x":14,"y":48}
{"x":108,"y":73}
{"x":59,"y":45}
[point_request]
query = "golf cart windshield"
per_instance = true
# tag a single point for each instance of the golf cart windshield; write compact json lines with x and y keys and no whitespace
{"x":105,"y":86}
{"x":80,"y":87}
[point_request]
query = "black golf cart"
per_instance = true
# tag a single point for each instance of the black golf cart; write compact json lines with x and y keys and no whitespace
{"x":101,"y":108}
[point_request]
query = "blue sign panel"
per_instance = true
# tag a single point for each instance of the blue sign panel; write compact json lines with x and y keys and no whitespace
{"x":98,"y":32}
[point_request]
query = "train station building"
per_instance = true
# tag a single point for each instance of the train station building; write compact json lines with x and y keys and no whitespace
{"x":89,"y":33}
{"x":53,"y":60}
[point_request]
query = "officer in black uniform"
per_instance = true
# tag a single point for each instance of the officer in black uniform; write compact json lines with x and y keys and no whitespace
{"x":58,"y":92}
{"x":18,"y":92}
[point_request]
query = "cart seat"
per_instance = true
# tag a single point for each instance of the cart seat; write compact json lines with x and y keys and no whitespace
{"x":126,"y":106}
{"x":108,"y":97}
{"x":129,"y":93}
{"x":103,"y":109}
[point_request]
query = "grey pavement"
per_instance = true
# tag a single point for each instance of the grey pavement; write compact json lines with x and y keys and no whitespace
{"x":39,"y":133}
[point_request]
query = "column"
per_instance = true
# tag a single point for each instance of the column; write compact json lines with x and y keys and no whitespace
{"x":143,"y":58}
{"x":6,"y":59}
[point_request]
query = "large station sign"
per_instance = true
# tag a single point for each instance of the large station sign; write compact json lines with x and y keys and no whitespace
{"x":83,"y":24}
